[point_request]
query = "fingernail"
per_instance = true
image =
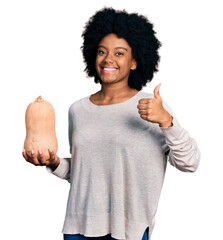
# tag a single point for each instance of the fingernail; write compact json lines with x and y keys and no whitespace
{"x":31,"y":151}
{"x":50,"y":149}
{"x":40,"y":152}
{"x":23,"y":150}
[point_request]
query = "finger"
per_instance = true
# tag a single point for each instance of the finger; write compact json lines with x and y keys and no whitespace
{"x":27,"y":158}
{"x":24,"y":154}
{"x":142,"y":106}
{"x":143,"y":112}
{"x":144,"y":116}
{"x":145,"y":100}
{"x":53,"y":158}
{"x":52,"y":155}
{"x":41,"y":158}
{"x":156,"y":92}
{"x":34,"y":159}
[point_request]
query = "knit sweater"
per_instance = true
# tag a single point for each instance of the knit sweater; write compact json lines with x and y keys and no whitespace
{"x":117,"y":167}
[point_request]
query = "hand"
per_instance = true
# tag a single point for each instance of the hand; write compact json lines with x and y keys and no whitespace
{"x":40,"y":160}
{"x":152,"y":110}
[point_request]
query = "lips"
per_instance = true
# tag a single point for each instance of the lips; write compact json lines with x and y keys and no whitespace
{"x":106,"y":69}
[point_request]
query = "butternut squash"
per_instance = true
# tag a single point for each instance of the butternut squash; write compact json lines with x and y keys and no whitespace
{"x":40,"y":128}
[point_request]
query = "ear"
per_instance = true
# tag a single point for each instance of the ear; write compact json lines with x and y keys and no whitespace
{"x":134,"y":64}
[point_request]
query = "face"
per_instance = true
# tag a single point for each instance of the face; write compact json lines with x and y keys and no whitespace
{"x":114,"y":59}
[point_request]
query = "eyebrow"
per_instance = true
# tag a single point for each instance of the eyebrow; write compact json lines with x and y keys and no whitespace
{"x":115,"y":48}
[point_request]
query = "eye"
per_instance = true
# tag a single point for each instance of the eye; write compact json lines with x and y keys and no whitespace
{"x":119,"y":53}
{"x":100,"y":52}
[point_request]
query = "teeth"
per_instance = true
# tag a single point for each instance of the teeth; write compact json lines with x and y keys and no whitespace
{"x":109,"y":69}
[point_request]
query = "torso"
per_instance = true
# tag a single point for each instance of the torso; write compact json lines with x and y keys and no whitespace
{"x":96,"y":98}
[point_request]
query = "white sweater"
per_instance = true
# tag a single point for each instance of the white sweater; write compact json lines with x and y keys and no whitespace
{"x":117,"y":167}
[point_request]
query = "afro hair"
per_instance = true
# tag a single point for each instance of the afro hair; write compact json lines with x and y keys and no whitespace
{"x":136,"y":29}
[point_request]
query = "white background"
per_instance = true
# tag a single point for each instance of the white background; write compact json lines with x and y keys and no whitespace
{"x":40,"y":55}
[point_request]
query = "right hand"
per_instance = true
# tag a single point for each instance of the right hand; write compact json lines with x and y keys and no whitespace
{"x":40,"y":160}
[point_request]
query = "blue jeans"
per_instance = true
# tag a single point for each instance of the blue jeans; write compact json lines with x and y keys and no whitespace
{"x":107,"y":237}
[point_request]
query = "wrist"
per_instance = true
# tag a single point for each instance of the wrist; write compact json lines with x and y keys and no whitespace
{"x":167,"y":122}
{"x":54,"y":165}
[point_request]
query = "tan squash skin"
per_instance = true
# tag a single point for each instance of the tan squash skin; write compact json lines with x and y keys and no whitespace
{"x":40,"y":128}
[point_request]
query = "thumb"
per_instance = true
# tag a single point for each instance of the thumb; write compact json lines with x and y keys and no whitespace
{"x":156,"y":92}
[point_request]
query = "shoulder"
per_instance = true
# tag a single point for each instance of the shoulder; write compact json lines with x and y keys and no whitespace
{"x":76,"y":105}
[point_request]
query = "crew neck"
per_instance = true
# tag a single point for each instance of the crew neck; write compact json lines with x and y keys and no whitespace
{"x":114,"y":104}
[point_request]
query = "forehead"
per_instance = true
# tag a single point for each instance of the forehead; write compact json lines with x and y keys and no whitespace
{"x":112,"y":40}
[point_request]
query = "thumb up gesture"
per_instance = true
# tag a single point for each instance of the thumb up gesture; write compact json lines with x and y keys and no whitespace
{"x":152,"y":110}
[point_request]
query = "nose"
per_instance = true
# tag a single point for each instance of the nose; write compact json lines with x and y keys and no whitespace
{"x":108,"y":58}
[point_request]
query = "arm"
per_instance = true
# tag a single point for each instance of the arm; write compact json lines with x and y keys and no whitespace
{"x":63,"y":169}
{"x":183,"y":152}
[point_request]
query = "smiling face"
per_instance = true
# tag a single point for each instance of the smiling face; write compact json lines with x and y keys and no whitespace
{"x":114,"y":59}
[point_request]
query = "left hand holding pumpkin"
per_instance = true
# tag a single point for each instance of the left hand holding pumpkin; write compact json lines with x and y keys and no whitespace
{"x":152,"y":110}
{"x":40,"y":160}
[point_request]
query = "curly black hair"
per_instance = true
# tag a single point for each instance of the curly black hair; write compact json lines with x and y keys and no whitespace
{"x":136,"y":29}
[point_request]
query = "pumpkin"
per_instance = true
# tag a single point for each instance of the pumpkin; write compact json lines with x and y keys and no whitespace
{"x":40,"y":128}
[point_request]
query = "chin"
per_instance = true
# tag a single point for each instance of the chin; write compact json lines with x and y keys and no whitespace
{"x":108,"y":80}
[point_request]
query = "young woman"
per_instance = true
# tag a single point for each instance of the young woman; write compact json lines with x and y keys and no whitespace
{"x":120,"y":137}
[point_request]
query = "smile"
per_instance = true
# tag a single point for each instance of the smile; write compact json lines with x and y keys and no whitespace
{"x":108,"y":69}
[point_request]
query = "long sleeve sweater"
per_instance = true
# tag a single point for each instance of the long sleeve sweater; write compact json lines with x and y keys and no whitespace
{"x":117,"y":167}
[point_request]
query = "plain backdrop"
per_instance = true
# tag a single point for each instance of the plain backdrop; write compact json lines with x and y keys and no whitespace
{"x":40,"y":55}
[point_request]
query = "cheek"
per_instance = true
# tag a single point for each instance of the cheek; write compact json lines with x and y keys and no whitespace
{"x":127,"y":64}
{"x":122,"y":63}
{"x":97,"y":63}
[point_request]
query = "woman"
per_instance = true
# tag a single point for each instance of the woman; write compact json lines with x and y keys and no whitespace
{"x":120,"y":137}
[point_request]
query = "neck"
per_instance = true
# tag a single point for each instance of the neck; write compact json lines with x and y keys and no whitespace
{"x":115,"y":92}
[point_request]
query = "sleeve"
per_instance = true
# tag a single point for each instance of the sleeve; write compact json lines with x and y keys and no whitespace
{"x":183,"y":152}
{"x":63,"y":169}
